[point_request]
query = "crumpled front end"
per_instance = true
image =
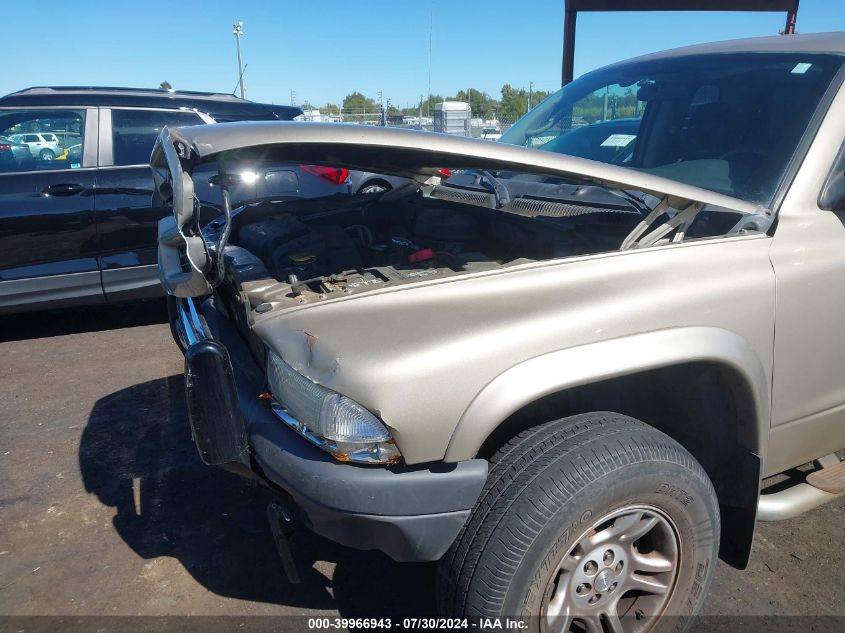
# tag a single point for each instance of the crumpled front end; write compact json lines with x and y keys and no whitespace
{"x":411,"y":513}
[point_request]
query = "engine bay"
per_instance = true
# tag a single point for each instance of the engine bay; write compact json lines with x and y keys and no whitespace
{"x":305,"y":251}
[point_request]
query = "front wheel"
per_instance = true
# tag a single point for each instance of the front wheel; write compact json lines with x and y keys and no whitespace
{"x":46,"y":154}
{"x":595,"y":523}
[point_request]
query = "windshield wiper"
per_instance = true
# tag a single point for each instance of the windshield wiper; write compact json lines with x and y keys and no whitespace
{"x":637,"y":202}
{"x":501,"y":192}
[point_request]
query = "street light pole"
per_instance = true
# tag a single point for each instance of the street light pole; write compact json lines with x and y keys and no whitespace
{"x":238,"y":30}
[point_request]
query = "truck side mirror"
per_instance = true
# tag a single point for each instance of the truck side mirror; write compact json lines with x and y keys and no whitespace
{"x":832,"y":197}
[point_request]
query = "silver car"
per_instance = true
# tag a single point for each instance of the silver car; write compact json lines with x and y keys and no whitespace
{"x":13,"y":152}
{"x":42,"y":145}
{"x":566,"y":380}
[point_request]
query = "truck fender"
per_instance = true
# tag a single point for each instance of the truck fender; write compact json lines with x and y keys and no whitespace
{"x":557,"y":371}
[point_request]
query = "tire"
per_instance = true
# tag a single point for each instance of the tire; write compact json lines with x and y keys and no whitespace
{"x":374,"y":186}
{"x":46,"y":154}
{"x":555,"y":492}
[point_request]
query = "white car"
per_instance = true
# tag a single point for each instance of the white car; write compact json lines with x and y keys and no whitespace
{"x":42,"y":145}
{"x":491,"y":133}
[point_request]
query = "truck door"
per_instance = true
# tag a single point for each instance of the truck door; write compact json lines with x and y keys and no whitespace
{"x":808,"y":255}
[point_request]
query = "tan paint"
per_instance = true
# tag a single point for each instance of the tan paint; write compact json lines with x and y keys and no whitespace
{"x":421,"y":354}
{"x":808,"y":254}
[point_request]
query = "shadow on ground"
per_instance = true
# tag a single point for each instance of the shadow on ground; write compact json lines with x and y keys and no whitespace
{"x":33,"y":325}
{"x":136,"y":455}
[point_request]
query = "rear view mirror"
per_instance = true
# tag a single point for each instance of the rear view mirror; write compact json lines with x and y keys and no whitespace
{"x":661,"y":90}
{"x":647,"y":92}
{"x":832,"y":197}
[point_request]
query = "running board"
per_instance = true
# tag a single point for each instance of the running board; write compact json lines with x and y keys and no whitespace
{"x":822,"y":486}
{"x":830,"y":479}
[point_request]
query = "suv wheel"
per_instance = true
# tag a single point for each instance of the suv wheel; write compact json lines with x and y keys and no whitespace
{"x":596,"y":523}
{"x":46,"y":154}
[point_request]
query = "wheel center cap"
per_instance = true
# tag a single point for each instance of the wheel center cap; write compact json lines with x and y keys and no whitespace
{"x":603,"y":581}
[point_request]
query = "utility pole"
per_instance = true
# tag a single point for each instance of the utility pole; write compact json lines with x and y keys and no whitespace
{"x":530,"y":93}
{"x":293,"y":97}
{"x":604,"y":112}
{"x":430,"y":29}
{"x":238,"y":31}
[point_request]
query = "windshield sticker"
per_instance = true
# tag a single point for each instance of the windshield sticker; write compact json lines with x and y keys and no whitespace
{"x":75,"y":165}
{"x":618,"y":140}
{"x":801,"y":68}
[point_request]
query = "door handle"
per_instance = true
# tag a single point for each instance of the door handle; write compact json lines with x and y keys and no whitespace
{"x":62,"y":190}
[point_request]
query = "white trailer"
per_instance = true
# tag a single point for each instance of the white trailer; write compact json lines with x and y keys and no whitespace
{"x":452,"y":117}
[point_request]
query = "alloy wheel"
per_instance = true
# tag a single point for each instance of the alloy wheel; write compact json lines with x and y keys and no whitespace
{"x":618,"y":576}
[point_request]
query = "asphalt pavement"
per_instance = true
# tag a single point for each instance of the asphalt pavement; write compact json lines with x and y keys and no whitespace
{"x":106,"y":509}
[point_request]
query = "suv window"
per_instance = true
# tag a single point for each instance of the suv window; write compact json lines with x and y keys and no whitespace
{"x":134,"y":132}
{"x":27,"y":127}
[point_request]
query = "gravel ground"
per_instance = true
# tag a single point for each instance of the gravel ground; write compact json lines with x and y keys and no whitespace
{"x":106,"y":509}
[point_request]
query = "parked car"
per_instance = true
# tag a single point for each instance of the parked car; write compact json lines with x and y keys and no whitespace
{"x":13,"y":153}
{"x":563,"y":379}
{"x":491,"y":133}
{"x":43,"y":146}
{"x":89,"y":235}
{"x":370,"y":183}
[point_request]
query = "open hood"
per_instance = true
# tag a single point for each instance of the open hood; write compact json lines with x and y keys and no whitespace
{"x":412,"y":154}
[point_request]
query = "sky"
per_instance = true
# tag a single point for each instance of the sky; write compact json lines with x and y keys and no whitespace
{"x":323,"y":50}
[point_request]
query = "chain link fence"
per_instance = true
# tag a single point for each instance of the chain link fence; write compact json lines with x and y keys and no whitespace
{"x":490,"y":129}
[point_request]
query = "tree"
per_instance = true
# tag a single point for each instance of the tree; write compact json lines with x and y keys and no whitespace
{"x":513,"y":105}
{"x":482,"y":104}
{"x":515,"y":102}
{"x":357,"y":103}
{"x":426,"y":106}
{"x":604,"y":104}
{"x":331,"y":108}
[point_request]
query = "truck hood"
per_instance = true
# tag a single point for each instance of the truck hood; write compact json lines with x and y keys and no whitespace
{"x":408,"y":153}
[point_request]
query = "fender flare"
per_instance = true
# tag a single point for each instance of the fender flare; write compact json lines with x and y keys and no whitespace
{"x":557,"y":371}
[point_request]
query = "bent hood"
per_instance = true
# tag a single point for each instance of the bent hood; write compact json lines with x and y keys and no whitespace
{"x":408,"y":153}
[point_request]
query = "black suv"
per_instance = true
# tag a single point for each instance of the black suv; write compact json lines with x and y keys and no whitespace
{"x":76,"y":226}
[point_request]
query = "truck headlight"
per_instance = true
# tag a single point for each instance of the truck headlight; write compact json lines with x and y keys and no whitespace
{"x":335,"y":423}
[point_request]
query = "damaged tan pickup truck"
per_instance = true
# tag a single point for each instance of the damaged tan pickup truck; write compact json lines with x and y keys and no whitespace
{"x":564,"y":364}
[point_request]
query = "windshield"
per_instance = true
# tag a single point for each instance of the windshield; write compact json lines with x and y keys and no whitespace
{"x":727,"y":122}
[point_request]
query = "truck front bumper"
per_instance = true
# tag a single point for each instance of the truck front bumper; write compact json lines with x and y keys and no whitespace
{"x":411,"y":513}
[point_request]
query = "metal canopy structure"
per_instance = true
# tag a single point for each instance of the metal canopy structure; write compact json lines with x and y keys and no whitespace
{"x":573,"y":7}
